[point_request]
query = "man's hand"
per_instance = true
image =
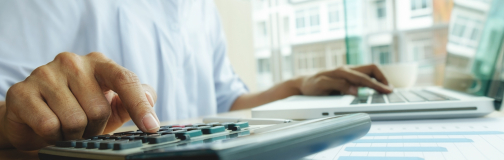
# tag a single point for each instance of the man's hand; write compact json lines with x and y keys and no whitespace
{"x":345,"y":80}
{"x":73,"y":97}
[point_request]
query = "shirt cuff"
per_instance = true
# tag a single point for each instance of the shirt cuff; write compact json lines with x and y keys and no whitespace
{"x":226,"y":105}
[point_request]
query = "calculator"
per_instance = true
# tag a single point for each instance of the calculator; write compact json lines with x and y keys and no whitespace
{"x":217,"y":141}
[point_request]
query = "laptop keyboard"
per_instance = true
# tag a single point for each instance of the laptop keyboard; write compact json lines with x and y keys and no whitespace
{"x":401,"y":97}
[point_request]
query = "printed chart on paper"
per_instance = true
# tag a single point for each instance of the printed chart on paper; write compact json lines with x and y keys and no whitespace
{"x":457,"y":139}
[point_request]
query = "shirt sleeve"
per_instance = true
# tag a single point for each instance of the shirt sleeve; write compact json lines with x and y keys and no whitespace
{"x":228,"y":86}
{"x":10,"y":74}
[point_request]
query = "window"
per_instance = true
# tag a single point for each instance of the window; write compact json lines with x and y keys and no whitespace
{"x":314,"y":20}
{"x":475,"y":34}
{"x":420,"y":50}
{"x":418,"y":4}
{"x":263,"y":65}
{"x":465,"y":31}
{"x":459,"y":26}
{"x":334,"y":16}
{"x":381,"y":54}
{"x":263,"y":31}
{"x":300,"y":22}
{"x":380,"y":9}
{"x":333,"y":13}
{"x":420,"y":8}
{"x":314,"y":17}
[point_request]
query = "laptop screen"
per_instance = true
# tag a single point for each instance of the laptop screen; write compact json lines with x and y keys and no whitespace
{"x":474,"y":63}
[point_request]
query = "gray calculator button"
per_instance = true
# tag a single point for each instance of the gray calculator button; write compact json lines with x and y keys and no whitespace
{"x":81,"y":143}
{"x":155,"y":139}
{"x":213,"y":130}
{"x":127,"y":144}
{"x":107,"y":144}
{"x":94,"y":144}
{"x":70,"y":143}
{"x":240,"y":124}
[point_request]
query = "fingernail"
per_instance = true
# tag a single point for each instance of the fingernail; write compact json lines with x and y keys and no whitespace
{"x":149,"y":122}
{"x":149,"y":97}
{"x":391,"y":87}
{"x":352,"y":90}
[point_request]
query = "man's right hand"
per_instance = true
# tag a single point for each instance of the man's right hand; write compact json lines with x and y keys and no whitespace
{"x":74,"y":97}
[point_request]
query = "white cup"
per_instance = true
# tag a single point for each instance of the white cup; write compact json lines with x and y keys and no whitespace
{"x":401,"y":75}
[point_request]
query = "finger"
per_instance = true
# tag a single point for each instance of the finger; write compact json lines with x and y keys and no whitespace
{"x":119,"y":113}
{"x":132,"y":94}
{"x":71,"y":115}
{"x":341,"y":85}
{"x":150,"y":93}
{"x":25,"y":106}
{"x":373,"y":71}
{"x":88,"y":93}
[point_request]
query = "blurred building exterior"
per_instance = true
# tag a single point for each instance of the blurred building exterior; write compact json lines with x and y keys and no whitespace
{"x":299,"y":37}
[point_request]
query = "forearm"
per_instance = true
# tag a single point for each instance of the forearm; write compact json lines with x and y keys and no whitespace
{"x":280,"y":91}
{"x":4,"y":143}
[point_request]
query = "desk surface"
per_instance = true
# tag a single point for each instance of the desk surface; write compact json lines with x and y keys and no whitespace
{"x":32,"y":155}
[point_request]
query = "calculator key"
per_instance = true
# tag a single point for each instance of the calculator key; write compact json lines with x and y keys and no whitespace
{"x":105,"y":136}
{"x":143,"y":138}
{"x":195,"y":125}
{"x":193,"y":133}
{"x":164,"y":127}
{"x":183,"y":136}
{"x":204,"y":127}
{"x":177,"y":129}
{"x":179,"y":126}
{"x":235,"y":128}
{"x":107,"y":144}
{"x":126,"y":136}
{"x":155,"y":139}
{"x":94,"y":144}
{"x":191,"y":128}
{"x":240,"y":124}
{"x":127,"y":144}
{"x":94,"y":138}
{"x":213,"y":130}
{"x":173,"y":132}
{"x":81,"y":143}
{"x":123,"y":133}
{"x":199,"y":124}
{"x":70,"y":143}
{"x":226,"y":124}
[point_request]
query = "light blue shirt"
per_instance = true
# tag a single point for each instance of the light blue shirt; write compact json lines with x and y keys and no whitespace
{"x":175,"y":46}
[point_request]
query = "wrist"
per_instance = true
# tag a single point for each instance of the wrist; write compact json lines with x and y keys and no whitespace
{"x":296,"y":83}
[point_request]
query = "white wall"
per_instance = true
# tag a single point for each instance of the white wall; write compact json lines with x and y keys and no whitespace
{"x":236,"y":16}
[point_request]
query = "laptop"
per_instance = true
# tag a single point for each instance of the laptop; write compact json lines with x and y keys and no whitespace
{"x":472,"y":85}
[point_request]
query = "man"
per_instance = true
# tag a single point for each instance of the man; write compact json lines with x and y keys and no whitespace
{"x":177,"y":47}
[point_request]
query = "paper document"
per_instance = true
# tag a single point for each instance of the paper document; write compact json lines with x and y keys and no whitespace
{"x":457,"y":139}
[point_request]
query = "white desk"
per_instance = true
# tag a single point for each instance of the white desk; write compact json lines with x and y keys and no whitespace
{"x":32,"y":155}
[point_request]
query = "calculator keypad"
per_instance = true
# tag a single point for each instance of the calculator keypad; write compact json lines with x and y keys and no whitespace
{"x":168,"y":133}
